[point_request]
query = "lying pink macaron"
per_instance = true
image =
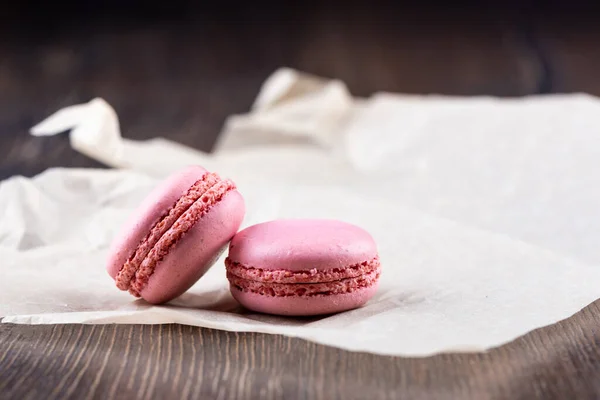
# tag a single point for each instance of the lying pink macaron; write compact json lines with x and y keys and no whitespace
{"x":177,"y":233}
{"x":303,"y":267}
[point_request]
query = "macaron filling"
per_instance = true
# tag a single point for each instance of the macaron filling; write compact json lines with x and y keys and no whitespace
{"x":284,"y":283}
{"x":303,"y":276}
{"x":169,"y":229}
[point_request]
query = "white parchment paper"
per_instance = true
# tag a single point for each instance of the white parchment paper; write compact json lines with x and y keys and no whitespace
{"x":486,"y":213}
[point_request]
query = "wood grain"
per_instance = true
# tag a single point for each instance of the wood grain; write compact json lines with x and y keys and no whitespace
{"x":175,"y":361}
{"x":568,"y":43}
{"x":181,"y":78}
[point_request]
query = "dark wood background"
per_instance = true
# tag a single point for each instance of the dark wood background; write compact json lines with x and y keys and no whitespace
{"x":178,"y":70}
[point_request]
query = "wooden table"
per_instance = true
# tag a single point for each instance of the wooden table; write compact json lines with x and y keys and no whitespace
{"x":179,"y":74}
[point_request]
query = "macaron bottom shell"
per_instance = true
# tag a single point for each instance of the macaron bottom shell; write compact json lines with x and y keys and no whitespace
{"x":304,"y":305}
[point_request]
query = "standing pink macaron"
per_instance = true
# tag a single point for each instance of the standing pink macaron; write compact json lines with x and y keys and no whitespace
{"x":176,"y":234}
{"x":303,"y":267}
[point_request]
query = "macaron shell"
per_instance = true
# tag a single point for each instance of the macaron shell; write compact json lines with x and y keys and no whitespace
{"x":141,"y":221}
{"x":304,"y":305}
{"x":302,"y":244}
{"x":196,"y":251}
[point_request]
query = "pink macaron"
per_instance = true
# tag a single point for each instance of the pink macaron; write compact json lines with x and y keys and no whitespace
{"x":178,"y":232}
{"x":303,"y":267}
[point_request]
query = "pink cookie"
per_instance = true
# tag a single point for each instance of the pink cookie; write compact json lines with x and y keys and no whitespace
{"x":303,"y":267}
{"x":175,"y":235}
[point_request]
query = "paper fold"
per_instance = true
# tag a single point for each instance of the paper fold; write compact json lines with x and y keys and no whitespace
{"x":484,"y":211}
{"x":94,"y":130}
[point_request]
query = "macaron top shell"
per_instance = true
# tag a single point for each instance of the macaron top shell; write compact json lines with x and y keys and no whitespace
{"x":296,"y":245}
{"x":196,"y":251}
